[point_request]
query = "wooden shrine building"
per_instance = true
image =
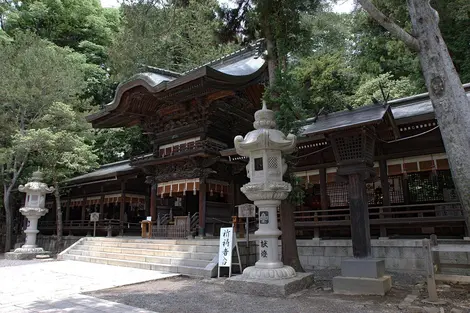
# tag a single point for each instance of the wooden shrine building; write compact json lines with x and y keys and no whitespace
{"x":192,"y":118}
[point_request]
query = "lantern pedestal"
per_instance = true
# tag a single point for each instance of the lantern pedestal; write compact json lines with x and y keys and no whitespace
{"x":34,"y":209}
{"x":266,"y":167}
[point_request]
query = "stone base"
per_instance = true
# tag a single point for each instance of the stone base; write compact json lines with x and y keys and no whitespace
{"x":362,"y":286}
{"x":269,"y":288}
{"x":25,"y":255}
{"x":366,"y":268}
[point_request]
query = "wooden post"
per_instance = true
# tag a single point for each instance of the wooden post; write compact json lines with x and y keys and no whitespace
{"x":67,"y":209}
{"x":202,"y":208}
{"x":436,"y":260}
{"x":153,"y":201}
{"x":360,"y":227}
{"x":102,"y":207}
{"x":429,"y":267}
{"x":385,"y":192}
{"x":323,"y":198}
{"x":122,"y":208}
{"x":147,"y":204}
{"x":83,"y":210}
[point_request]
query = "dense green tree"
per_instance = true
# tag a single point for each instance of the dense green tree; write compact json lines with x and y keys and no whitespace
{"x":60,"y":144}
{"x":175,"y":36}
{"x":39,"y":74}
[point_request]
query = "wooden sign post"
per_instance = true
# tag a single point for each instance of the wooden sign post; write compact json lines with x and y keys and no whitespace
{"x":94,"y":217}
{"x":227,"y":242}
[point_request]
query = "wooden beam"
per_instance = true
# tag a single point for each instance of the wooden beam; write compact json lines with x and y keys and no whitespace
{"x":123,"y":206}
{"x":202,"y":208}
{"x":153,"y":201}
{"x":360,"y":227}
{"x":385,"y":191}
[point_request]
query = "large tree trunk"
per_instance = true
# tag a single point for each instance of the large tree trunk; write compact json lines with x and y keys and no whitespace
{"x":451,"y":105}
{"x":8,"y":219}
{"x":290,"y":255}
{"x":58,"y":216}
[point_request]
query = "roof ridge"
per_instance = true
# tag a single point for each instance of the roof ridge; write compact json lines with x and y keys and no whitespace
{"x":229,"y":56}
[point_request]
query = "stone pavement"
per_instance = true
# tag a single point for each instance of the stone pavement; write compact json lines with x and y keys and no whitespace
{"x":54,"y":286}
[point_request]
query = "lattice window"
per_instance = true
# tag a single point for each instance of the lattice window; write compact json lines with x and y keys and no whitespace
{"x":395,"y":184}
{"x":337,"y":194}
{"x":349,"y":148}
{"x":272,"y":162}
{"x":426,"y":187}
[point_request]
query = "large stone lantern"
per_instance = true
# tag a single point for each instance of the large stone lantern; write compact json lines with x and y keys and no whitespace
{"x":264,"y":147}
{"x":33,"y":210}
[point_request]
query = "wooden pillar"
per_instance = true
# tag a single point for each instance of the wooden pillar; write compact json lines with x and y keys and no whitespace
{"x":202,"y":208}
{"x":323,"y":197}
{"x":153,"y":201}
{"x":147,"y":204}
{"x":83,"y":209}
{"x":123,"y":206}
{"x":102,"y":207}
{"x":385,"y":193}
{"x":231,"y":197}
{"x":67,"y":209}
{"x":360,"y":226}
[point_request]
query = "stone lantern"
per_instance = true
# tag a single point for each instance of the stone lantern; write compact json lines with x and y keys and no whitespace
{"x":264,"y":147}
{"x":34,"y":209}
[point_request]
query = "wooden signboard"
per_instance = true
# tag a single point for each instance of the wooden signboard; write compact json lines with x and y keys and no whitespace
{"x":227,"y":242}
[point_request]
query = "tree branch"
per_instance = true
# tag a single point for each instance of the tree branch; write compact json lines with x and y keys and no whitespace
{"x":389,"y":25}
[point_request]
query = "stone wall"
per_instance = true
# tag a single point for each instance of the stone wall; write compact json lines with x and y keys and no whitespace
{"x":49,"y":243}
{"x":401,"y":255}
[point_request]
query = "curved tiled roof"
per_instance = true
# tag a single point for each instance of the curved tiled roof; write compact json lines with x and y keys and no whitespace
{"x":239,"y":67}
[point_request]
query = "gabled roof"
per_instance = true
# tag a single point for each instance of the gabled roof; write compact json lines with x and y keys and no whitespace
{"x":107,"y":171}
{"x":366,"y":115}
{"x":237,"y":69}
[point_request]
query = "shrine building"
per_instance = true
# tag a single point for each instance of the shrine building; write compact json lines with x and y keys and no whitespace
{"x":193,"y":171}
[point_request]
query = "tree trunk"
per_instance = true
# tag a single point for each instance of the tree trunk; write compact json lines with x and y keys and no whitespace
{"x":8,"y":220}
{"x":58,"y":217}
{"x":451,"y":105}
{"x":290,"y":255}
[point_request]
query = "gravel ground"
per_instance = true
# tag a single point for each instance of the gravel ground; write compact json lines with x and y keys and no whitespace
{"x":180,"y":295}
{"x":7,"y":263}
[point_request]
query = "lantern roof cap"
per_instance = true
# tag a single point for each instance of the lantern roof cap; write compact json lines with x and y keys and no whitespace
{"x":265,"y":136}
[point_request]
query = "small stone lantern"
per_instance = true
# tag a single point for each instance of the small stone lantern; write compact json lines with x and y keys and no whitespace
{"x":264,"y":147}
{"x":34,"y":209}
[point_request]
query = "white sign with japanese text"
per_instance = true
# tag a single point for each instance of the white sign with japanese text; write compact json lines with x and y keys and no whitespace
{"x":246,"y":210}
{"x":226,"y":245}
{"x":94,"y":217}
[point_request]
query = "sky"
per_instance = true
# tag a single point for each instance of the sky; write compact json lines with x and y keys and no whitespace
{"x":343,"y":6}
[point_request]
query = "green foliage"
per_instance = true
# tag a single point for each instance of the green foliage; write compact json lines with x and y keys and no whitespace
{"x":39,"y":73}
{"x":65,"y":22}
{"x":112,"y":145}
{"x":172,"y":36}
{"x":60,"y":144}
{"x":371,"y":87}
{"x":329,"y":80}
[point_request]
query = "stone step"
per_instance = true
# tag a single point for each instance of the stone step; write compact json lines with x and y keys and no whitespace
{"x":153,"y":246}
{"x":150,"y":252}
{"x":185,"y":270}
{"x":190,"y":242}
{"x":142,"y":258}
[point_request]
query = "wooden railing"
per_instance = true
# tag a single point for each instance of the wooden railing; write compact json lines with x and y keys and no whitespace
{"x":383,"y":215}
{"x":202,"y":145}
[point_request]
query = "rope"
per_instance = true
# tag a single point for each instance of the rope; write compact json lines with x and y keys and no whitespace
{"x":410,"y":137}
{"x":311,"y":153}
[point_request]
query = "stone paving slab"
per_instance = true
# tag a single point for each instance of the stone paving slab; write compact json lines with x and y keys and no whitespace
{"x":23,"y":287}
{"x":75,"y":304}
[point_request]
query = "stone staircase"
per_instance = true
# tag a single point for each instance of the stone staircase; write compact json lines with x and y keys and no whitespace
{"x":187,"y":257}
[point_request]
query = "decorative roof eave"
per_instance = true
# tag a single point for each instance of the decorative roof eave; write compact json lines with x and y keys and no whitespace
{"x":237,"y":70}
{"x":137,"y":80}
